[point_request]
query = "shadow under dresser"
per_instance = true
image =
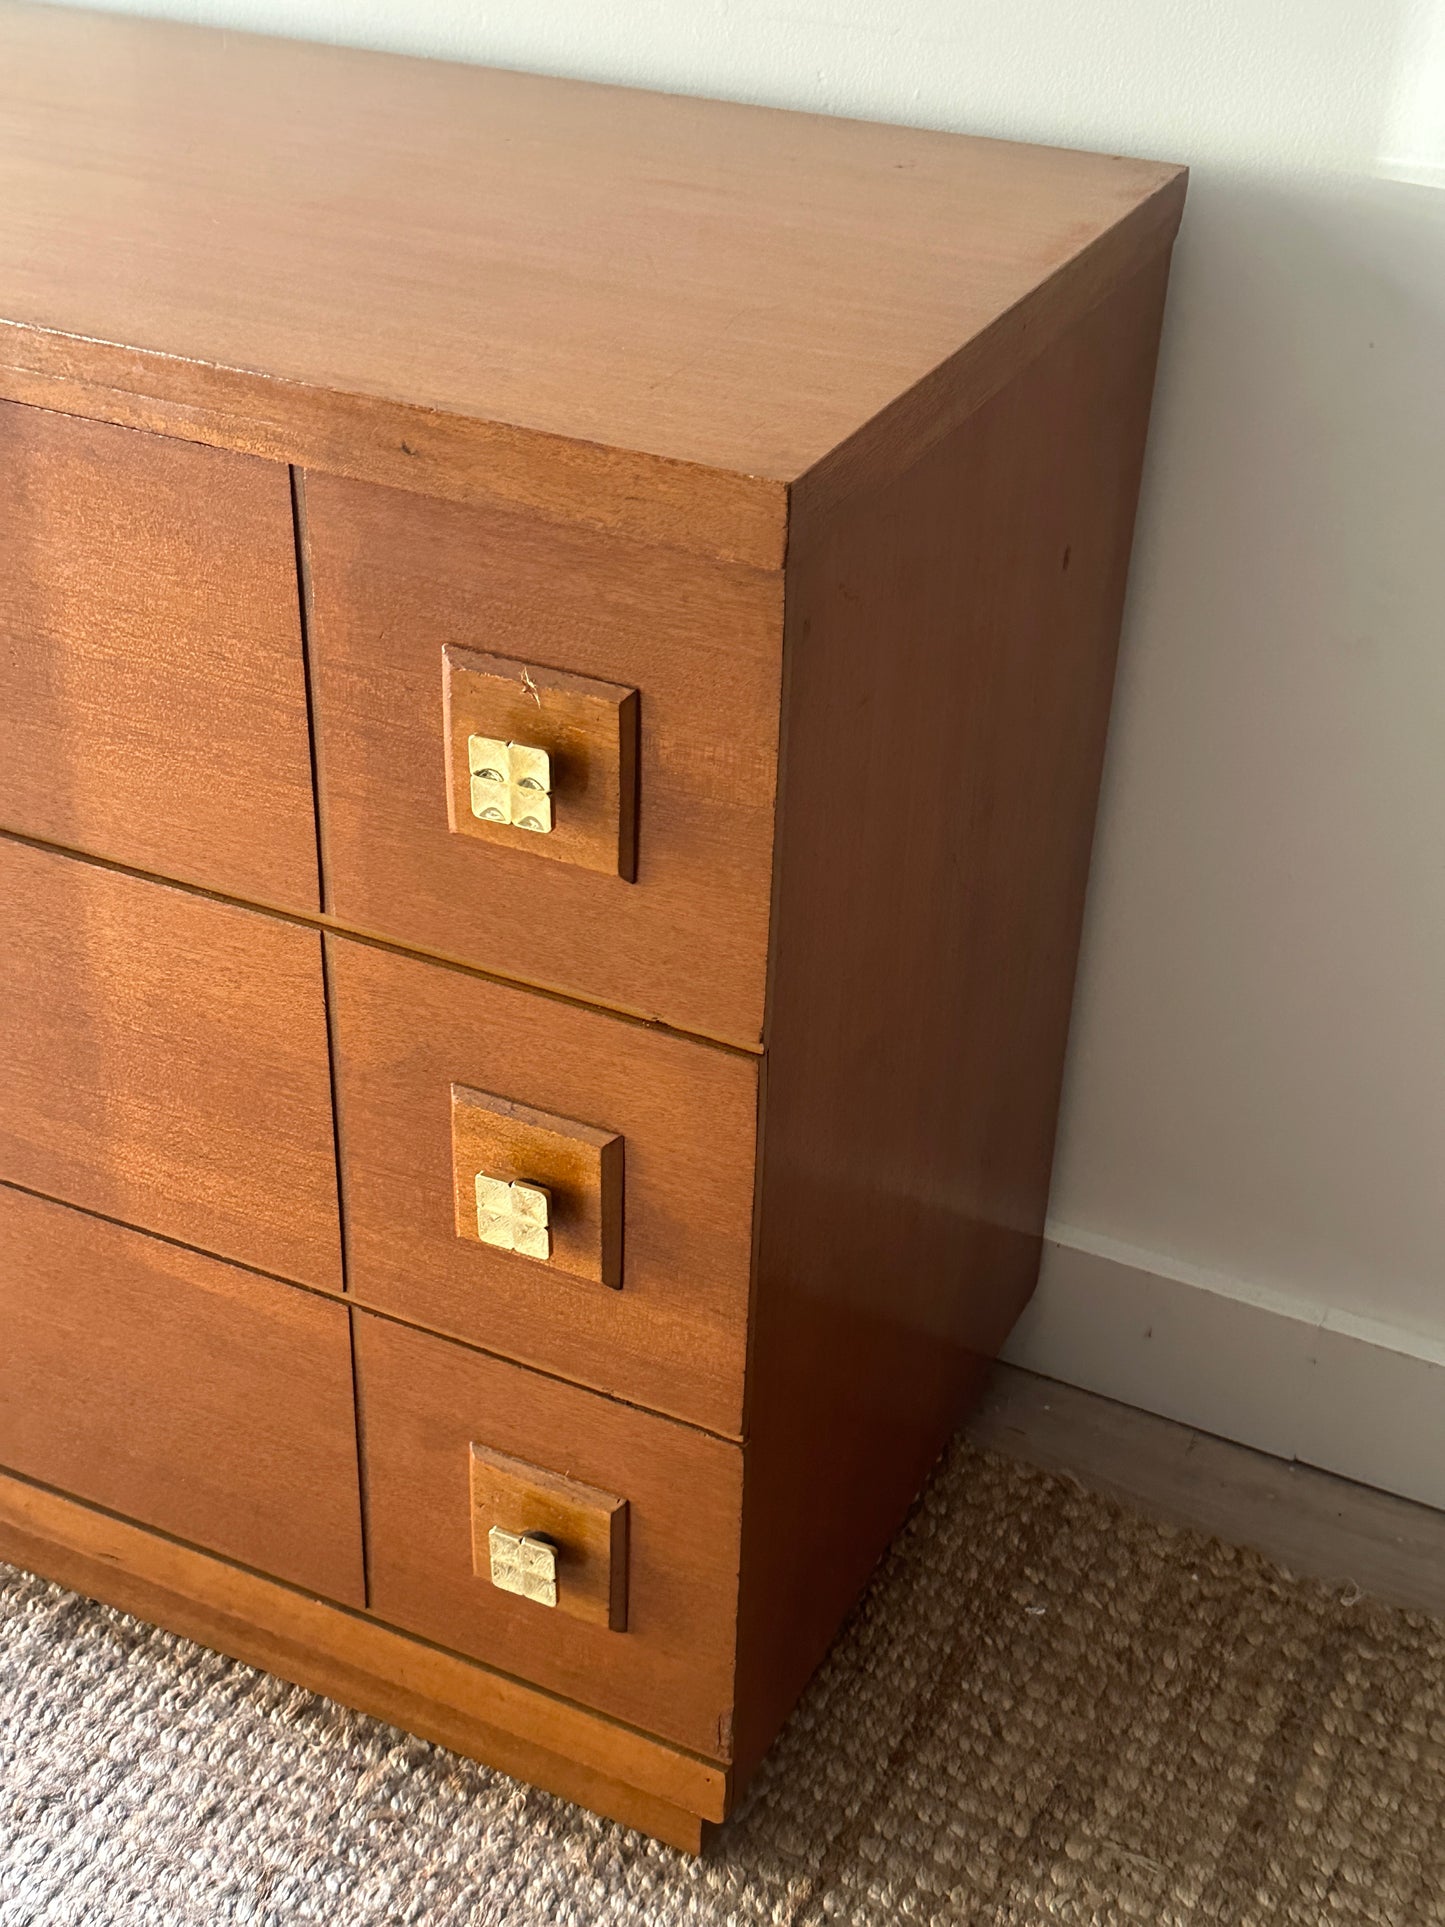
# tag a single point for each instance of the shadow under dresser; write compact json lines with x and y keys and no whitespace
{"x":555,"y":652}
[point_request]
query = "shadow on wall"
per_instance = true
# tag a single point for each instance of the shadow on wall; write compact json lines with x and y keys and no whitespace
{"x":1256,"y":1083}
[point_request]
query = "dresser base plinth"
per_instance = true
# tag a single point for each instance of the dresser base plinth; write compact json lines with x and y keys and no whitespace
{"x":517,"y":1729}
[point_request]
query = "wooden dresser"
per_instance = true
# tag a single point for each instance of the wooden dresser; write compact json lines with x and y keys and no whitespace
{"x":555,"y":650}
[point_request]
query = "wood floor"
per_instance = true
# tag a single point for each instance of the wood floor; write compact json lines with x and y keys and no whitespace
{"x":1309,"y":1522}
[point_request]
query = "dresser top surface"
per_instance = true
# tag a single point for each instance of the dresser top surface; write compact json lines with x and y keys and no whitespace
{"x":731,"y":286}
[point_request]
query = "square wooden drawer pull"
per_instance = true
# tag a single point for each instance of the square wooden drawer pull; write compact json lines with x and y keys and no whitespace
{"x":539,"y":1187}
{"x":541,"y":760}
{"x":548,"y":1539}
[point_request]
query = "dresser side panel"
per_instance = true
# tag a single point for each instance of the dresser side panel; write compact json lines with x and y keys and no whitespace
{"x":951,"y":643}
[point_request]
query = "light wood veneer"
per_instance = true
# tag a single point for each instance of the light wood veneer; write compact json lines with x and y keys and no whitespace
{"x":151,"y":681}
{"x":674,"y":1335}
{"x":766,"y":484}
{"x":163,"y":1060}
{"x":191,"y":1395}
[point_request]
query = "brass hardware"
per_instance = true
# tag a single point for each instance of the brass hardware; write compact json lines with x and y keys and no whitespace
{"x":584,"y":812}
{"x":521,"y":1512}
{"x":524,"y":1564}
{"x":578,"y":1168}
{"x":513,"y":1217}
{"x":511,"y":783}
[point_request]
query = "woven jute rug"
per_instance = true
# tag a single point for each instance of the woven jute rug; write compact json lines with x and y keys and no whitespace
{"x":1048,"y":1710}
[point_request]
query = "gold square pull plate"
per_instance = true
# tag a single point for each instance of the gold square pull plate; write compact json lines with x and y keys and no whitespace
{"x":513,"y":1216}
{"x":510,"y":783}
{"x":523,"y":1564}
{"x":541,"y":760}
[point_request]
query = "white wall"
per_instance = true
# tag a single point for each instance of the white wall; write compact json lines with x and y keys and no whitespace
{"x":1255,"y":1118}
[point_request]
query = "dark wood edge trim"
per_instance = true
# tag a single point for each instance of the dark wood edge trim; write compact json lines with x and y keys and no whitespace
{"x":933,"y":407}
{"x":727,"y":517}
{"x":518,"y":1729}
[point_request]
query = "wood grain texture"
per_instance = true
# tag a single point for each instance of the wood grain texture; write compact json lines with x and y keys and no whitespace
{"x":394,"y":578}
{"x":325,"y":1648}
{"x":960,"y":622}
{"x":424,"y":1403}
{"x":182,"y":1392}
{"x":635,"y":278}
{"x":582,"y":1169}
{"x":151,"y":680}
{"x":815,"y":442}
{"x":587,"y":1527}
{"x":674,"y":1337}
{"x":163,"y":1060}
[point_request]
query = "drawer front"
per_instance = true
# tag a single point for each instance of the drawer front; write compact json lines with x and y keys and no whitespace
{"x":651,"y":681}
{"x":151,"y":677}
{"x":179,"y":1391}
{"x":163,"y":1060}
{"x":644,"y":1143}
{"x":637,"y":1519}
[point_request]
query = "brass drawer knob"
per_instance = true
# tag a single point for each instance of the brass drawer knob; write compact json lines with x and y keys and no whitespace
{"x":541,"y":751}
{"x":545,"y":1187}
{"x":511,"y":783}
{"x":523,"y":1563}
{"x":514,"y":1217}
{"x":549,"y":1538}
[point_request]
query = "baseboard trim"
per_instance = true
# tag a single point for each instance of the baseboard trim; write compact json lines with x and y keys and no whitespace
{"x":1353,"y":1397}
